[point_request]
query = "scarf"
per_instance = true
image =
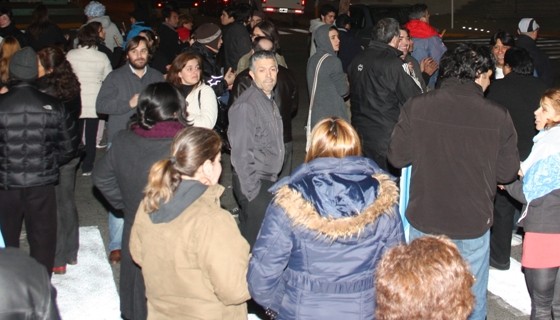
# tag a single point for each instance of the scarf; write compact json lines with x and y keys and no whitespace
{"x":541,"y":169}
{"x":160,"y":130}
{"x":421,"y":29}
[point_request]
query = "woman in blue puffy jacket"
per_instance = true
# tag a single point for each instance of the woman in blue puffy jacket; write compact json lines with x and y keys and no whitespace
{"x":325,"y":231}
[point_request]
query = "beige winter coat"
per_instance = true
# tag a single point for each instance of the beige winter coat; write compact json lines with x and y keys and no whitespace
{"x":195,"y":265}
{"x":91,"y":67}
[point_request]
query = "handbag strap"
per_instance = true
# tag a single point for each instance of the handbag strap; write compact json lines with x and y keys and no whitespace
{"x":312,"y":99}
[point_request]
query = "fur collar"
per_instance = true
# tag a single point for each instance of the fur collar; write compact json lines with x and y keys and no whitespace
{"x":302,"y":213}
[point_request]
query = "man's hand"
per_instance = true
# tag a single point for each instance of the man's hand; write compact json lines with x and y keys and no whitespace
{"x":133,"y":101}
{"x":229,"y":77}
{"x":429,"y":66}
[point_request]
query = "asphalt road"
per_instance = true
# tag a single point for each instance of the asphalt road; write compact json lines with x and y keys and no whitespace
{"x":295,"y":49}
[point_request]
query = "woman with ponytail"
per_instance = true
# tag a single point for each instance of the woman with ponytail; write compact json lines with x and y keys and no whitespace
{"x":122,"y":174}
{"x":192,"y":255}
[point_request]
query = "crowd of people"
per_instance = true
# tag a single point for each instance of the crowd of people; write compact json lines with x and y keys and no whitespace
{"x":471,"y":134}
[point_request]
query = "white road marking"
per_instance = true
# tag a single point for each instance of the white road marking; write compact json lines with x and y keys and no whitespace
{"x":510,"y":286}
{"x":88,"y":290}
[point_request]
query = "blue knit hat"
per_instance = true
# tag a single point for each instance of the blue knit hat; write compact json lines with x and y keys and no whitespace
{"x":94,"y":9}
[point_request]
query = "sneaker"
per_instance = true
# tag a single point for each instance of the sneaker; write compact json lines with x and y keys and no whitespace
{"x":86,"y":174}
{"x":101,"y":145}
{"x":516,"y":240}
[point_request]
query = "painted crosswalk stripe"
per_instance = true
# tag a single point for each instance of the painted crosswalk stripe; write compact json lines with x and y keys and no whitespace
{"x":88,"y":290}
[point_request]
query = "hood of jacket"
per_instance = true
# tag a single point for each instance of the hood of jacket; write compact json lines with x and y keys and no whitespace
{"x":337,"y":198}
{"x":187,"y":192}
{"x":314,"y":24}
{"x":322,"y":41}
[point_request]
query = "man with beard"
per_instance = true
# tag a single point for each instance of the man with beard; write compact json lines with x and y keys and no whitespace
{"x":117,"y":98}
{"x":257,"y":147}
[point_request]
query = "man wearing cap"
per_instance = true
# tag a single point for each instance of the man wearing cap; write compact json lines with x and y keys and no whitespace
{"x":34,"y":142}
{"x":528,"y":30}
{"x":95,"y":11}
{"x":207,"y":42}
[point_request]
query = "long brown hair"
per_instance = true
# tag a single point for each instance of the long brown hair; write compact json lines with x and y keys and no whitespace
{"x":10,"y":45}
{"x":191,"y":147}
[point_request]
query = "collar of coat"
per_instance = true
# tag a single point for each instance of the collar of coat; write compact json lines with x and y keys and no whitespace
{"x":303,"y":214}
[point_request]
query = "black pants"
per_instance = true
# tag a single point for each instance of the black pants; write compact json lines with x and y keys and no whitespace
{"x":544,"y":289}
{"x":500,"y":236}
{"x":67,"y":238}
{"x":36,"y":206}
{"x":251,"y":213}
{"x":90,"y":125}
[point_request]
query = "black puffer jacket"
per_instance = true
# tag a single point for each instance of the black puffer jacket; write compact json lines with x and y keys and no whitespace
{"x":34,"y":137}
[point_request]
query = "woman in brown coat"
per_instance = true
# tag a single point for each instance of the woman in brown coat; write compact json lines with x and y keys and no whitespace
{"x":193,"y":258}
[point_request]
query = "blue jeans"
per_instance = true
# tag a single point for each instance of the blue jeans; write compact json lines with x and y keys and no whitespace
{"x":477,"y":254}
{"x":115,"y":227}
{"x":115,"y":231}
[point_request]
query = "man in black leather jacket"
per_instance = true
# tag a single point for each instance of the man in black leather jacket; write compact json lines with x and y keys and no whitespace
{"x":26,"y":288}
{"x":34,"y":141}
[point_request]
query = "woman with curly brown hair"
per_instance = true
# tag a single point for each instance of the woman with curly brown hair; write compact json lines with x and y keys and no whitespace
{"x":426,"y":279}
{"x":57,"y":78}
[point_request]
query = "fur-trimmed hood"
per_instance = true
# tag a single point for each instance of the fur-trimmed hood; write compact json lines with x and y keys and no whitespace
{"x":337,"y":198}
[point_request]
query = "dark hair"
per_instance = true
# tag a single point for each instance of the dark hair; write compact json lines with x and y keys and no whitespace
{"x":466,"y":62}
{"x":325,"y":9}
{"x":39,"y":21}
{"x":505,"y":37}
{"x":385,"y":30}
{"x":8,"y":12}
{"x":519,"y":60}
{"x":158,"y":102}
{"x":269,"y":30}
{"x":191,"y":147}
{"x":152,"y":37}
{"x":417,"y":11}
{"x":240,"y":12}
{"x":179,"y":63}
{"x":167,"y":10}
{"x":134,"y":43}
{"x":258,"y":55}
{"x":60,"y":80}
{"x":343,"y":20}
{"x":88,"y":35}
{"x":256,"y":45}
